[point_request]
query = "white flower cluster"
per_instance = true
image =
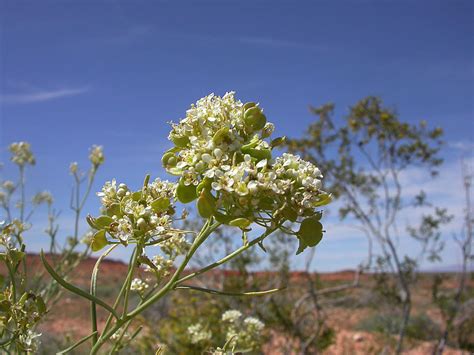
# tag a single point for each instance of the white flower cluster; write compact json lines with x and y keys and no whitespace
{"x":138,"y":285}
{"x":242,"y":333}
{"x":221,"y":152}
{"x":30,"y":341}
{"x":161,"y":266}
{"x":96,"y":156}
{"x":42,"y":197}
{"x":231,"y":316}
{"x":73,"y":168}
{"x":143,"y":214}
{"x":198,"y":334}
{"x":22,"y":154}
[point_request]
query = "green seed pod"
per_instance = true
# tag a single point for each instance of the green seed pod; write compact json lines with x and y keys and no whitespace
{"x":136,"y":196}
{"x":324,"y":199}
{"x":311,"y":232}
{"x":204,"y":184}
{"x":91,"y":221}
{"x":222,"y":218}
{"x":220,"y":135}
{"x":180,"y":141}
{"x":248,"y":105}
{"x":278,"y":141}
{"x":260,"y":154}
{"x":168,"y":159}
{"x":254,"y":118}
{"x":186,"y":193}
{"x":240,"y":222}
{"x":290,"y":214}
{"x":206,"y":204}
{"x":103,"y":221}
{"x":161,"y":204}
{"x":114,"y":210}
{"x":98,"y":240}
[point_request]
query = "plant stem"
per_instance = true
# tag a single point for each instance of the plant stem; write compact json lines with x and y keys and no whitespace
{"x":228,"y":257}
{"x":206,"y":230}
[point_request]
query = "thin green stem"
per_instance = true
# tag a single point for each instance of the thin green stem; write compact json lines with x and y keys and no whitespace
{"x":136,"y":253}
{"x":222,"y":293}
{"x":93,"y":289}
{"x":22,"y":193}
{"x":72,"y":347}
{"x":200,"y":238}
{"x":228,"y":257}
{"x":122,"y":290}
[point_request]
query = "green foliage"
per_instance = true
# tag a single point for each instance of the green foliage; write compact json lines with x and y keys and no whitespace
{"x":419,"y":327}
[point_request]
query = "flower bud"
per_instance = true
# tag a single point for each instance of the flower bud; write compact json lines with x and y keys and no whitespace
{"x":268,"y":130}
{"x":141,"y":224}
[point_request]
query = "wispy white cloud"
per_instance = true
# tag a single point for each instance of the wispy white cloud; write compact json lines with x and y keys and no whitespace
{"x":464,"y":146}
{"x":41,"y":95}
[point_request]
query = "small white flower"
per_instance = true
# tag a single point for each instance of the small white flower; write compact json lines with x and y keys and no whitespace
{"x":231,"y":316}
{"x":138,"y":285}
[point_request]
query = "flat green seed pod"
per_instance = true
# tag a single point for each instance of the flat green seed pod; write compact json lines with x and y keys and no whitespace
{"x":311,"y":231}
{"x":103,"y":221}
{"x":240,"y":222}
{"x":186,"y":193}
{"x":181,"y":142}
{"x":98,"y":240}
{"x":206,"y":204}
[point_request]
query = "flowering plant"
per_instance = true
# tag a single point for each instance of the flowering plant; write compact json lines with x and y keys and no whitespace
{"x":225,"y":163}
{"x":26,"y":297}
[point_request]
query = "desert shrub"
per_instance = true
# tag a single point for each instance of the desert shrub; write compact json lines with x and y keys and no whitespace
{"x":419,"y":327}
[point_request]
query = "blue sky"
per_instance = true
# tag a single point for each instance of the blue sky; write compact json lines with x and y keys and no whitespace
{"x":77,"y":73}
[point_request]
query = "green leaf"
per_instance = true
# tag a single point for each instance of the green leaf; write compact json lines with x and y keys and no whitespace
{"x":75,"y":289}
{"x":40,"y":305}
{"x":98,"y":240}
{"x":185,"y":193}
{"x":103,"y":221}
